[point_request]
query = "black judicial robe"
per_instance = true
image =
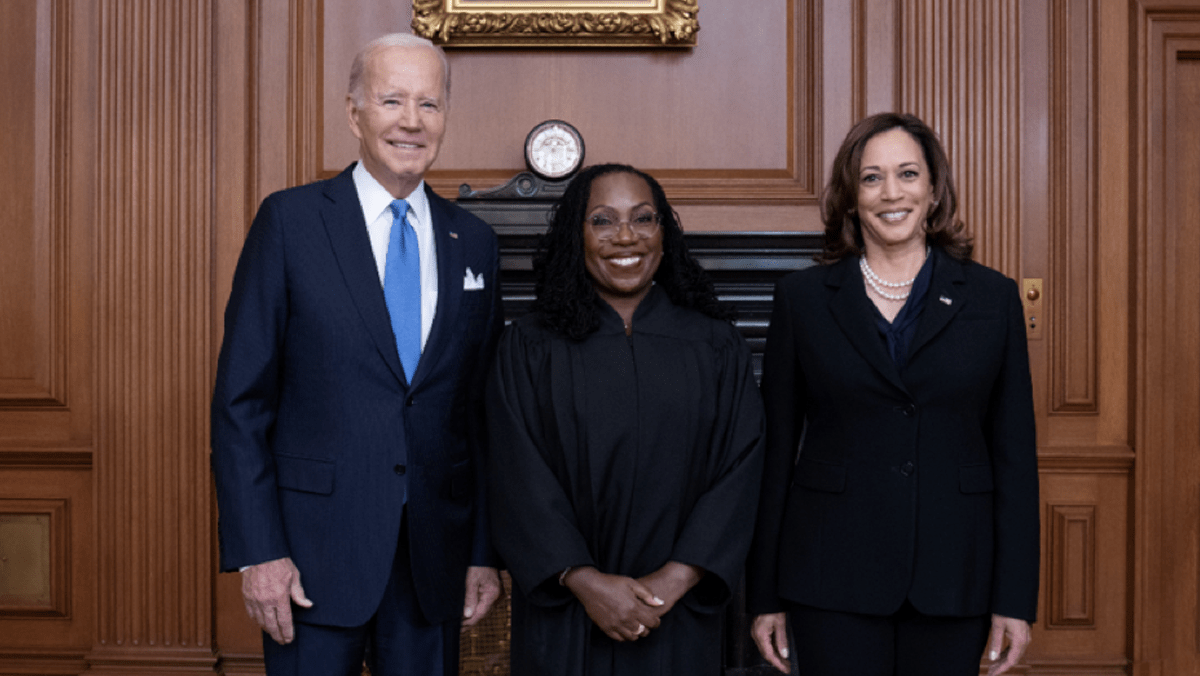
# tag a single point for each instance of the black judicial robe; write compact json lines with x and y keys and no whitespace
{"x":623,"y":453}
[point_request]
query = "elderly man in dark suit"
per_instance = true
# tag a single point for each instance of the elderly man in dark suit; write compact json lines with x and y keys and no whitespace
{"x":347,"y":409}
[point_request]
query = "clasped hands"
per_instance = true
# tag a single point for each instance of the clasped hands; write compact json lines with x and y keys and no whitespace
{"x":269,"y":589}
{"x":626,"y":608}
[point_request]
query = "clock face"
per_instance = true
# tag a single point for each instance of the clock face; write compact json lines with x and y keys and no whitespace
{"x":554,"y":149}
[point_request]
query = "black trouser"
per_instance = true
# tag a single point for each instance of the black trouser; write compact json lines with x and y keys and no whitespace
{"x":906,"y":643}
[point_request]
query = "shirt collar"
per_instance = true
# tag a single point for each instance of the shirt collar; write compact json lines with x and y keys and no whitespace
{"x":375,"y":199}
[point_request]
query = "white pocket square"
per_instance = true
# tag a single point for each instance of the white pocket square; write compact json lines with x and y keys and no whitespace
{"x":473,"y":282}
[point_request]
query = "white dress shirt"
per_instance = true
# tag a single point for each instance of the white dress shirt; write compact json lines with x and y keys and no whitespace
{"x":376,"y":205}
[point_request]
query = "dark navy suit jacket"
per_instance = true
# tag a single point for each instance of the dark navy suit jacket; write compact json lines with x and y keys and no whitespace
{"x":916,"y":484}
{"x":317,"y":434}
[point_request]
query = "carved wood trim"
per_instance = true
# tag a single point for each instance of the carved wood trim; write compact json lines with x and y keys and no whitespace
{"x":672,"y":24}
{"x":1071,"y":579}
{"x":55,"y":602}
{"x":959,"y":68}
{"x":155,"y":66}
{"x":1072,"y":290}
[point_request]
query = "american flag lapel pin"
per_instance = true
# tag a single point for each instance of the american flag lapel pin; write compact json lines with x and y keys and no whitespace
{"x":945,"y":300}
{"x":454,"y":235}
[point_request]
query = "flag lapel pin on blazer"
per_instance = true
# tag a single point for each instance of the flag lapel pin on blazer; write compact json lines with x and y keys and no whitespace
{"x":945,"y":300}
{"x":454,"y":235}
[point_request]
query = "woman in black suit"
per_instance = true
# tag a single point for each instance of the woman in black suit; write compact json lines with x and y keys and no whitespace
{"x":904,"y":531}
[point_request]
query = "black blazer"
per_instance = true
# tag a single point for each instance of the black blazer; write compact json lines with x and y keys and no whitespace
{"x":312,"y":413}
{"x":918,"y":484}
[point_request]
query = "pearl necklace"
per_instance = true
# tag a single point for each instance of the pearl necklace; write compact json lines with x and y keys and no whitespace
{"x":877,"y":283}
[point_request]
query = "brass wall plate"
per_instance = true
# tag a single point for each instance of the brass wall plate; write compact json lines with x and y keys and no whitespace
{"x":1033,"y":298}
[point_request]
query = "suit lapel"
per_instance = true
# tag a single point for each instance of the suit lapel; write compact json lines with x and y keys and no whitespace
{"x":851,"y":310}
{"x":450,"y":283}
{"x":343,"y":219}
{"x":943,"y":300}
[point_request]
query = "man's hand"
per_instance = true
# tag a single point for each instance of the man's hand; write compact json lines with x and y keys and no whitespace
{"x":269,"y":589}
{"x":1018,"y":640}
{"x":483,"y":588}
{"x":671,"y":582}
{"x":770,"y":635}
{"x":623,"y":608}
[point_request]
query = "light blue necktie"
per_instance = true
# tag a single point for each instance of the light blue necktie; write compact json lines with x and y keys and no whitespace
{"x":402,"y":287}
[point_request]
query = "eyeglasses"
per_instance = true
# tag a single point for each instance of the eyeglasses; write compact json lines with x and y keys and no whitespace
{"x":642,"y":224}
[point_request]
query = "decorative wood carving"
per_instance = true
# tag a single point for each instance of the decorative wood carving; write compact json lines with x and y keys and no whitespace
{"x":960,"y":66}
{"x":1072,"y":289}
{"x":35,"y":558}
{"x":154,"y":222}
{"x":1071,"y":577}
{"x":674,"y":25}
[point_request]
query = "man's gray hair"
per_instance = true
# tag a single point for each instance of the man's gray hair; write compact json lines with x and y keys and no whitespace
{"x":355,"y":88}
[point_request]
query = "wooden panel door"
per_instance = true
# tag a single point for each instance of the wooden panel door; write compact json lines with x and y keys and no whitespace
{"x":1167,"y":543}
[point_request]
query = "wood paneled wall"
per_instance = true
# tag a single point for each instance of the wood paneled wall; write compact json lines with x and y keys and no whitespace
{"x":139,"y":137}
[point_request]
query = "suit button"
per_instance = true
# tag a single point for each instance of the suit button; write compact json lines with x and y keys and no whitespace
{"x":910,"y":410}
{"x":907,"y":468}
{"x":409,"y":402}
{"x":400,"y":469}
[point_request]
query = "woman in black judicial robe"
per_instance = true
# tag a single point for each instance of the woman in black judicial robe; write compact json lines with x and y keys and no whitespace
{"x":626,"y":444}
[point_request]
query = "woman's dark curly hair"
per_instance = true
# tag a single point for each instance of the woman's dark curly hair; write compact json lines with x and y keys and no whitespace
{"x":566,"y":296}
{"x":843,"y":231}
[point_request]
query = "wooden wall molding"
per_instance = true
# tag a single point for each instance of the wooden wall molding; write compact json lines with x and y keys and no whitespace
{"x":43,"y":663}
{"x":1166,"y":91}
{"x":37,"y":458}
{"x":306,"y":56}
{"x":46,"y":293}
{"x":55,"y":600}
{"x":154,"y":219}
{"x":958,"y":68}
{"x":1074,"y":667}
{"x":1071,"y":289}
{"x":873,"y":36}
{"x":1071,"y":570}
{"x":238,"y":664}
{"x":800,"y":182}
{"x":1086,"y":460}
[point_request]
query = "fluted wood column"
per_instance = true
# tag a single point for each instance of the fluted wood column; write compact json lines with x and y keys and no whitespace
{"x":959,"y":68}
{"x":154,"y":225}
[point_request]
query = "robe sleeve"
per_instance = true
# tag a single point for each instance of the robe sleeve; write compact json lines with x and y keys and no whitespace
{"x":533,"y":523}
{"x":717,"y":532}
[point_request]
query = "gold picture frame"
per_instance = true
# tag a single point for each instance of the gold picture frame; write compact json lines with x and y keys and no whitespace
{"x":557,"y":23}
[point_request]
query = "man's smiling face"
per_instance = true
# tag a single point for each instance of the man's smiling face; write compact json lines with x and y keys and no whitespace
{"x":401,"y":117}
